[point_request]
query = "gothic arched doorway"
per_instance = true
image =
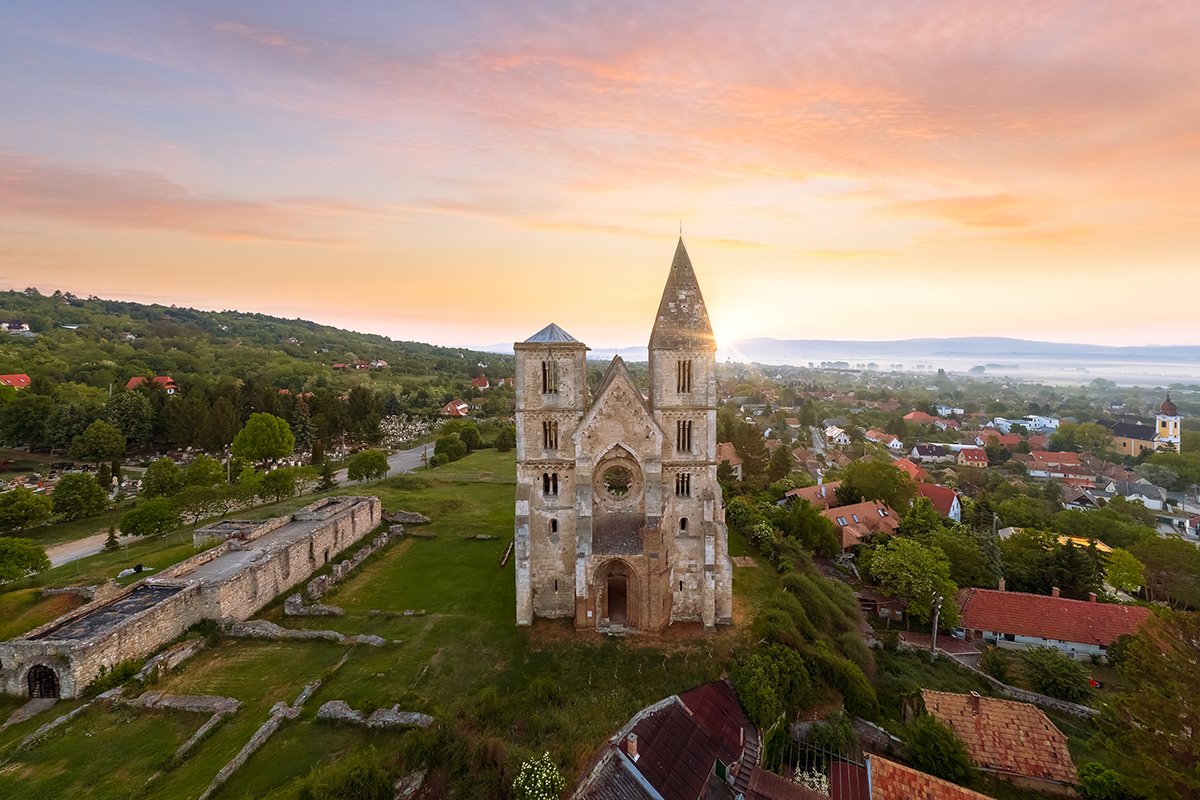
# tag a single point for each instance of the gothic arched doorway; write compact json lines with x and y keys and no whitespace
{"x":619,"y":596}
{"x":43,"y":682}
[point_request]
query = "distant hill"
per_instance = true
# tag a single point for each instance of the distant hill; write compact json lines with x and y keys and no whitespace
{"x":963,"y":346}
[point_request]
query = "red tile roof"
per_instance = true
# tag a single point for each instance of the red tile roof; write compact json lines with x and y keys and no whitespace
{"x":974,"y":456}
{"x":859,"y":520}
{"x":920,"y":418}
{"x":455,"y":408}
{"x":892,"y":781}
{"x":1009,"y":440}
{"x":914,"y":470}
{"x":824,"y":496}
{"x":942,"y":497}
{"x":1055,"y":459}
{"x":162,"y":380}
{"x":1048,"y":617}
{"x":1005,"y":736}
{"x":17,"y":380}
{"x":727,"y":452}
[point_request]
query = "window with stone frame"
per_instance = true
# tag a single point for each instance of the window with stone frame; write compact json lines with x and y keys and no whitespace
{"x":550,"y":435}
{"x":550,"y":484}
{"x":683,"y":436}
{"x":549,"y":377}
{"x":683,"y":484}
{"x":683,"y":376}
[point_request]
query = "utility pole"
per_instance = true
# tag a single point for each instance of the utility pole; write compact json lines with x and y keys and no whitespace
{"x":937,"y":612}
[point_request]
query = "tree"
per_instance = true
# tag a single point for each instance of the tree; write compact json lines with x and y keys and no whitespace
{"x":204,"y":471}
{"x":920,"y":519}
{"x":1172,"y":571}
{"x":20,"y":557}
{"x":110,"y":541}
{"x":879,"y":480}
{"x":150,"y":518}
{"x":908,"y":568}
{"x":932,"y":747}
{"x":278,"y":484}
{"x":1098,"y":782}
{"x":1150,"y":727}
{"x":326,"y":480}
{"x":265,"y":437}
{"x":198,"y":502}
{"x":770,"y":682}
{"x":450,"y":446}
{"x":368,"y":465}
{"x":102,"y":441}
{"x":1123,"y":570}
{"x":77,"y":495}
{"x":506,"y":439}
{"x":470,"y":436}
{"x":23,"y":508}
{"x":133,"y":413}
{"x":781,"y":463}
{"x":539,"y":779}
{"x":969,"y":564}
{"x":161,"y":478}
{"x":1052,"y":672}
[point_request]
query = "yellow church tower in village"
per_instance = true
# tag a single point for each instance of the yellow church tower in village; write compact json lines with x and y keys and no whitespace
{"x":1167,"y":427}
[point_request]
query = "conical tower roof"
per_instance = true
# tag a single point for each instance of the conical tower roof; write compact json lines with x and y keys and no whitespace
{"x":552,"y":333}
{"x":1168,"y":408}
{"x":682,"y":320}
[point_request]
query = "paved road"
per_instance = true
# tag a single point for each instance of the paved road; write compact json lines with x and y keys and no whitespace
{"x":81,"y":548}
{"x":818,"y":440}
{"x":404,"y":461}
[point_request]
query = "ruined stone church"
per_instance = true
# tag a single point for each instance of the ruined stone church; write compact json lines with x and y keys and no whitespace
{"x":619,"y":518}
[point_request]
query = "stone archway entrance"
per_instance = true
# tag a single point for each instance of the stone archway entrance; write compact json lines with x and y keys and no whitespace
{"x":619,"y":594}
{"x":43,"y":682}
{"x":617,"y":591}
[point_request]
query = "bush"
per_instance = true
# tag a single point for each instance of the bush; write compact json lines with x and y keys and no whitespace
{"x":994,"y":663}
{"x":359,"y":776}
{"x":770,"y":682}
{"x":20,"y":557}
{"x":150,"y":517}
{"x":1098,"y":782}
{"x":451,"y":446}
{"x":470,"y":437}
{"x":844,"y":675}
{"x":932,"y":747}
{"x":112,"y":678}
{"x":1054,"y":673}
{"x":506,"y":439}
{"x":539,"y":779}
{"x":438,"y":459}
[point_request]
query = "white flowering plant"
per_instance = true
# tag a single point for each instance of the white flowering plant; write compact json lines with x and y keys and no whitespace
{"x":539,"y":779}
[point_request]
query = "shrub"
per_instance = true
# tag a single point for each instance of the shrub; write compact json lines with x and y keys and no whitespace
{"x":358,"y":776}
{"x":846,"y":676}
{"x":1098,"y":782}
{"x":150,"y":517}
{"x":932,"y":747}
{"x":539,"y":779}
{"x":506,"y":439}
{"x":1052,"y":672}
{"x":451,"y":446}
{"x":770,"y":682}
{"x":112,"y":678}
{"x":994,"y":663}
{"x":367,"y":466}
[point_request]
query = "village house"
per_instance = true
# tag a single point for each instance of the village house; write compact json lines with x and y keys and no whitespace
{"x":859,"y":520}
{"x":947,"y":425}
{"x":698,"y":744}
{"x":823,"y":495}
{"x":910,"y":468}
{"x":481,"y":383}
{"x":166,"y":383}
{"x":1079,"y":628}
{"x":992,"y":436}
{"x":920,"y":418}
{"x":931,"y":454}
{"x":379,"y":363}
{"x":944,"y":500}
{"x":1012,"y":740}
{"x":972,"y":457}
{"x":17,"y":380}
{"x":836,"y":437}
{"x":889,"y":441}
{"x":728,"y":454}
{"x":455,"y":408}
{"x":948,"y":411}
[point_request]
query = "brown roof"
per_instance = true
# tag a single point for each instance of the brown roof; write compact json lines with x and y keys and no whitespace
{"x":823,"y":496}
{"x":914,"y":470}
{"x":892,"y":781}
{"x":859,"y":520}
{"x":920,"y":418}
{"x":1048,"y":617}
{"x":975,"y":454}
{"x":942,"y":497}
{"x":1004,"y":735}
{"x":727,"y":452}
{"x":769,"y":786}
{"x":1056,"y":459}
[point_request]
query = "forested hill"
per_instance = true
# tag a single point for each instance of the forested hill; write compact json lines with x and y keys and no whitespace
{"x":82,"y":346}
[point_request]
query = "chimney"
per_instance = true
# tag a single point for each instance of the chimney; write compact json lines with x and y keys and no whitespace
{"x":974,"y":703}
{"x":1000,"y":586}
{"x":1091,"y":597}
{"x":1054,"y":592}
{"x":631,"y":746}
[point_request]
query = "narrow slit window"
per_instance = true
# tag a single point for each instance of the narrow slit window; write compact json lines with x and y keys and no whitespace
{"x":683,"y":523}
{"x":554,"y":526}
{"x":683,"y":376}
{"x":549,"y":377}
{"x":683,"y":436}
{"x":681,"y":586}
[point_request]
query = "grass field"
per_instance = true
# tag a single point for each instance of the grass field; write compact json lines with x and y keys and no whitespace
{"x":499,"y":693}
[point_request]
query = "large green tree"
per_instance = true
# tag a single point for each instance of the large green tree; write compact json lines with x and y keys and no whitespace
{"x":102,"y":441}
{"x":20,"y":557}
{"x":1150,"y":727}
{"x":78,"y":495}
{"x":879,"y":480}
{"x":1172,"y":571}
{"x":264,"y":438}
{"x":150,"y":517}
{"x":133,"y":413}
{"x":22,"y":508}
{"x":368,"y":465}
{"x":905,"y":567}
{"x":161,"y":478}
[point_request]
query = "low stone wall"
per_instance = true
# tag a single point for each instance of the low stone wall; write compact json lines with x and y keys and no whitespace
{"x":339,"y":711}
{"x":321,"y":584}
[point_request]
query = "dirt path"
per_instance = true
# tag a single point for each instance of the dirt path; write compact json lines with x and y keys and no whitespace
{"x":67,"y":552}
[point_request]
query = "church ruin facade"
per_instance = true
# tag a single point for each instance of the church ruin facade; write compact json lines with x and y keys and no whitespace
{"x":619,"y":517}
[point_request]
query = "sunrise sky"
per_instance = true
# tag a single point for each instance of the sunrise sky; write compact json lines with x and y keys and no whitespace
{"x":465,"y":172}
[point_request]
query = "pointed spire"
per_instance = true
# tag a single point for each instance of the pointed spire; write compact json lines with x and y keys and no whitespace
{"x":552,"y":333}
{"x":682,"y":320}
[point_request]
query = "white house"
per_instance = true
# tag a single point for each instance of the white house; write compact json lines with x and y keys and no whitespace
{"x":1016,"y":620}
{"x":836,"y":436}
{"x":1143,"y":491}
{"x":948,"y":411}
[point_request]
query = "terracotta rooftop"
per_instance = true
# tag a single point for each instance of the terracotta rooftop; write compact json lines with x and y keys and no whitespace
{"x":1048,"y":457}
{"x":942,"y":497}
{"x":892,"y":781}
{"x":727,"y":452}
{"x":1048,"y":617}
{"x":920,"y":418}
{"x":913,"y":469}
{"x":859,"y":520}
{"x":823,"y":496}
{"x":1005,"y":736}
